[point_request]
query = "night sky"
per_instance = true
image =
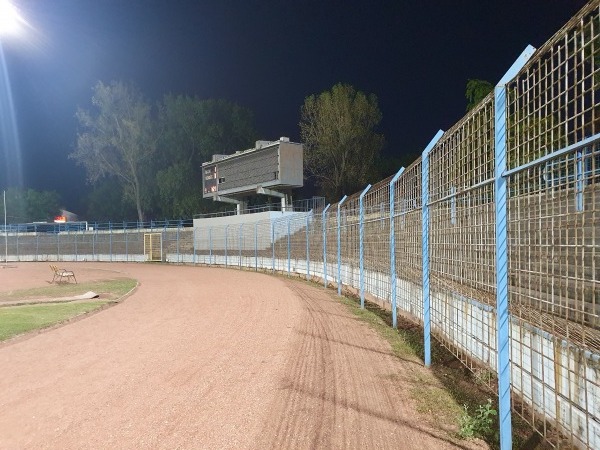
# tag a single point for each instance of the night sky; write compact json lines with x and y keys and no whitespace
{"x":265,"y":55}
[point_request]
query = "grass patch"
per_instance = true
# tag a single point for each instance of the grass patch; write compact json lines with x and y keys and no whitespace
{"x":111,"y":288}
{"x":21,"y":319}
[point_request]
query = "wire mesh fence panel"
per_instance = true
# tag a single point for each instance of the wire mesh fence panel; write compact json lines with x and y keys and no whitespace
{"x":281,"y":244}
{"x":201,"y":245}
{"x":233,"y":245}
{"x":263,"y":245}
{"x":85,"y":251}
{"x":298,"y":228}
{"x":554,"y":231}
{"x":349,"y":222}
{"x":461,"y":237}
{"x":376,"y":241}
{"x":331,"y":245}
{"x":220,"y":244}
{"x":68,"y":246}
{"x":245,"y":245}
{"x":316,"y":246}
{"x":186,"y":245}
{"x":135,"y":245}
{"x":408,"y":242}
{"x":46,"y":246}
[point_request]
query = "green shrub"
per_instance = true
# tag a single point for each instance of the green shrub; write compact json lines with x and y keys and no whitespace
{"x":480,"y":424}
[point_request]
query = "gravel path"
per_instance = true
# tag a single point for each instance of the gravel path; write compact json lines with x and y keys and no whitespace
{"x":206,"y":358}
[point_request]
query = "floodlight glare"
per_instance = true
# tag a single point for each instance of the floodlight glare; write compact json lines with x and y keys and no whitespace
{"x":10,"y":19}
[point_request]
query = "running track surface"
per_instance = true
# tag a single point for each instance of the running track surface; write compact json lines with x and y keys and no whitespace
{"x":207,"y":358}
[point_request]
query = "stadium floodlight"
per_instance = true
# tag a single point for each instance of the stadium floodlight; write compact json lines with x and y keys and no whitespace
{"x":10,"y":19}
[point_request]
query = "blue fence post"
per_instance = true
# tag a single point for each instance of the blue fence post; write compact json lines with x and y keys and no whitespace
{"x":256,"y":247}
{"x":425,"y":246}
{"x":361,"y":234}
{"x":210,"y":246}
{"x":194,"y":245}
{"x":307,"y":249}
{"x":502,"y":306}
{"x":241,"y":243}
{"x":324,"y":228}
{"x":339,"y":245}
{"x":226,"y":234}
{"x":289,"y":248}
{"x":393,"y":278}
{"x":177,"y":244}
{"x":273,"y":246}
{"x":126,"y":245}
{"x":110,"y":240}
{"x":579,"y":181}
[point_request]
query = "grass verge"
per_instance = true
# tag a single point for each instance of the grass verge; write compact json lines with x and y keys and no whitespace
{"x":17,"y":320}
{"x":447,"y":390}
{"x":112,"y":289}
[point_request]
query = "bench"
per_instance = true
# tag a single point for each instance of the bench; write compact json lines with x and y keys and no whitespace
{"x":61,"y":274}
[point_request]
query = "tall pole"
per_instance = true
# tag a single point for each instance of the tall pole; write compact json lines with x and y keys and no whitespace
{"x":5,"y":232}
{"x":339,"y":245}
{"x":501,"y":195}
{"x":324,"y":227}
{"x":361,"y":234}
{"x":393,"y":247}
{"x":425,"y":245}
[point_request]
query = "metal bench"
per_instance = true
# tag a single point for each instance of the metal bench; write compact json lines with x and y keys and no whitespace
{"x":61,"y":274}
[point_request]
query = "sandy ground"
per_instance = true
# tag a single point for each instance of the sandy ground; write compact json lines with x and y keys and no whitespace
{"x":206,"y":358}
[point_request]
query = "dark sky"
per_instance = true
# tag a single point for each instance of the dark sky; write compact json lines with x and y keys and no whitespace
{"x":416,"y":56}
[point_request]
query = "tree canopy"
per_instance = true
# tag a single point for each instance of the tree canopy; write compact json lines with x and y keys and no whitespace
{"x":30,"y":205}
{"x":192,"y":131}
{"x":476,"y":91}
{"x":340,"y":142}
{"x":118,"y":139}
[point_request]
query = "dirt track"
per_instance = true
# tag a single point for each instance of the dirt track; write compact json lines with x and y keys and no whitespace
{"x":206,"y":358}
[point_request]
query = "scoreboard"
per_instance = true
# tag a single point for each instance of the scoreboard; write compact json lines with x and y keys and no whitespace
{"x":276,"y":165}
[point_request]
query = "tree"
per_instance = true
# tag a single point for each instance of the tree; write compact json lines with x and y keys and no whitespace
{"x":118,"y":139}
{"x":476,"y":91}
{"x":340,"y":143}
{"x":192,"y":131}
{"x":24,"y":206}
{"x":106,"y":202}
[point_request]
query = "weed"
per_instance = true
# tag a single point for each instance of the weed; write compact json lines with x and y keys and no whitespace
{"x":480,"y":424}
{"x":484,"y":376}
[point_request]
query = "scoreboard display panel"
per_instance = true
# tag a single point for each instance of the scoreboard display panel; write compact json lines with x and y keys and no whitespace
{"x":273,"y":165}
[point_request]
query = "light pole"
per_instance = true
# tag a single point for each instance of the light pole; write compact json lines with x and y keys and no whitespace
{"x":5,"y":233}
{"x":10,"y":24}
